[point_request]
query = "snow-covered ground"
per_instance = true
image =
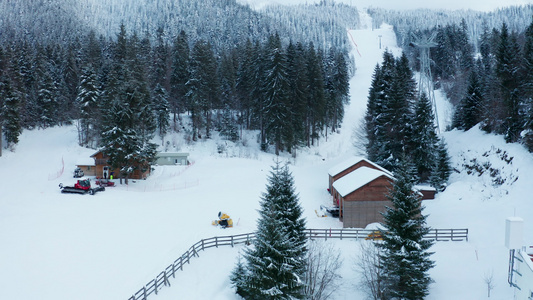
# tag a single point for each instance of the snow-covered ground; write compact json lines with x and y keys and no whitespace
{"x":107,"y":246}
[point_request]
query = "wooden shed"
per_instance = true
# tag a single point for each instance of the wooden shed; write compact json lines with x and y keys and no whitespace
{"x":426,"y":192}
{"x":104,"y":170}
{"x":172,"y":158}
{"x":346,"y":167}
{"x":362,"y":196}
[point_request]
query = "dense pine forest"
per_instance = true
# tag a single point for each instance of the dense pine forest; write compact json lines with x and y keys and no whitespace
{"x":487,"y":76}
{"x":117,"y":68}
{"x":137,"y":81}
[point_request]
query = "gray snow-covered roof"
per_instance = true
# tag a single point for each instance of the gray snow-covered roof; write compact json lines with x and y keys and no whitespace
{"x":352,"y":161}
{"x":171,"y":154}
{"x":422,"y":187}
{"x":85,"y":161}
{"x":356,"y":179}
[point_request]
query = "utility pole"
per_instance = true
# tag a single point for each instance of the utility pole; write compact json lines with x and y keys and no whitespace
{"x":425,"y":82}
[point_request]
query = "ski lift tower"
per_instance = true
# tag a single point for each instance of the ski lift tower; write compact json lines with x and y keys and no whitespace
{"x":425,"y":82}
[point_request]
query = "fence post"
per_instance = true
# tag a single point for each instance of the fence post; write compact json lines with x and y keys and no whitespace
{"x":216,"y":241}
{"x":341,"y":233}
{"x":167,"y":283}
{"x":452,"y":234}
{"x":436,"y":234}
{"x":467,"y":234}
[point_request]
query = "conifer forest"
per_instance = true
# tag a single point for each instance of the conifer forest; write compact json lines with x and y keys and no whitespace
{"x":117,"y":68}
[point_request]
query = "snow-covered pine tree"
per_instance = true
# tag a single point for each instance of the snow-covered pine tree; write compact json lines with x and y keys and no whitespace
{"x":278,"y":126}
{"x":389,"y":103}
{"x":270,"y":263}
{"x":423,"y":141}
{"x":442,"y":170}
{"x":507,"y":71}
{"x":405,"y":259}
{"x":469,"y":111}
{"x":202,"y":87}
{"x":316,"y":101}
{"x":228,"y":126}
{"x":160,"y":67}
{"x":443,"y":55}
{"x":244,"y":85}
{"x":179,"y":75}
{"x":130,"y":122}
{"x":258,"y":100}
{"x":297,"y":93}
{"x":119,"y":141}
{"x":238,"y":278}
{"x":398,"y":114}
{"x":87,"y":101}
{"x":527,"y":87}
{"x":46,"y":101}
{"x":374,"y":108}
{"x":162,"y":111}
{"x":276,"y":262}
{"x":9,"y":114}
{"x":282,"y":196}
{"x":336,"y":88}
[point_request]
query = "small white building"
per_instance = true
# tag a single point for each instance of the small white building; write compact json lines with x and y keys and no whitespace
{"x":172,"y":158}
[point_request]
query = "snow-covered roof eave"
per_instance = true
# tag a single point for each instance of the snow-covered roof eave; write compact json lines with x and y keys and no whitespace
{"x":337,"y":169}
{"x":421,"y":187}
{"x":357,"y":179}
{"x":171,"y":154}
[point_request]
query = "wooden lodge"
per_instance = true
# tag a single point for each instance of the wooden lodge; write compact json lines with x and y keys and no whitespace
{"x":360,"y":187}
{"x":102,"y":168}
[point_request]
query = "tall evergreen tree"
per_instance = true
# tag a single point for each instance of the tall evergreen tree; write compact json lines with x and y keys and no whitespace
{"x":276,"y":263}
{"x":130,"y":122}
{"x":507,"y":71}
{"x":245,"y":85}
{"x":405,"y":259}
{"x":299,"y":87}
{"x":336,"y":88}
{"x":87,"y":100}
{"x":179,"y":75}
{"x":469,"y":111}
{"x":373,"y":110}
{"x":203,"y":87}
{"x":442,"y":170}
{"x":228,"y":127}
{"x":278,"y":128}
{"x":316,"y":101}
{"x":398,"y":113}
{"x":424,"y":139}
{"x":527,"y":87}
{"x":162,"y":111}
{"x":10,"y":122}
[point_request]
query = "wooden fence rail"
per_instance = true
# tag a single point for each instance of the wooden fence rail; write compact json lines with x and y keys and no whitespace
{"x":162,"y":279}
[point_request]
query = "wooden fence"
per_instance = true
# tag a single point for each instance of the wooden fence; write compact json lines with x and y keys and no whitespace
{"x":162,"y":279}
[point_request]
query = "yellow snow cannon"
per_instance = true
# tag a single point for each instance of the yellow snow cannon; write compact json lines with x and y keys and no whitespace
{"x":223,"y":221}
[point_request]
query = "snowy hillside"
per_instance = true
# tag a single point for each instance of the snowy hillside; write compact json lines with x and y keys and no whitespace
{"x":107,"y":246}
